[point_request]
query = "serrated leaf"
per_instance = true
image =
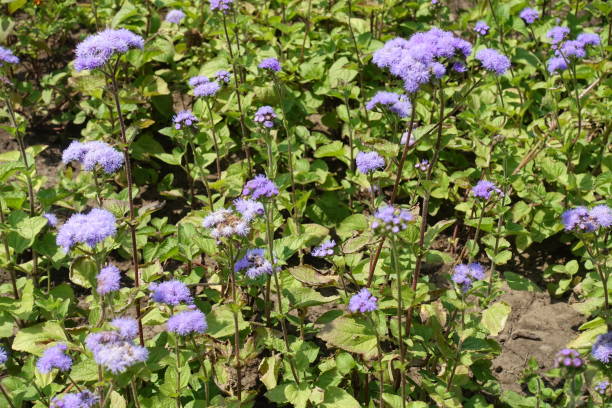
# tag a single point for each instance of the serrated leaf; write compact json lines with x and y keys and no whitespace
{"x":309,"y":276}
{"x":350,"y":334}
{"x":495,"y":316}
{"x":35,"y":339}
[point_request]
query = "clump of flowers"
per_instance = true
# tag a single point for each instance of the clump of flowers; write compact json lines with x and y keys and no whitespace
{"x":423,"y":165}
{"x":184,"y":118}
{"x":188,"y":322}
{"x":198,"y":80}
{"x":325,"y":249}
{"x":254,"y":263}
{"x":83,"y":399}
{"x":226,"y":223}
{"x":581,"y":219}
{"x":175,"y":16}
{"x":570,"y":50}
{"x":465,"y":275}
{"x":529,"y":15}
{"x":223,"y":76}
{"x":369,"y":161}
{"x":557,"y":34}
{"x":90,"y":229}
{"x":270,"y":64}
{"x":92,"y":154}
{"x":260,"y":186}
{"x":265,"y":116}
{"x":425,"y":53}
{"x":172,"y":292}
{"x":51,"y":219}
{"x":7,"y":57}
{"x":569,"y":358}
{"x":481,"y":28}
{"x":221,"y":5}
{"x":206,"y":89}
{"x":493,"y":61}
{"x":602,"y":387}
{"x":54,"y":357}
{"x":108,"y":280}
{"x":116,"y":350}
{"x":398,"y":104}
{"x":96,"y":50}
{"x":484,"y":189}
{"x":602,"y":349}
{"x":391,"y":219}
{"x":248,"y":208}
{"x":363,"y":302}
{"x":3,"y":355}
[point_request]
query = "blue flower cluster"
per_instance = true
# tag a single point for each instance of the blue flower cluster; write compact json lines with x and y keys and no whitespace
{"x":465,"y":275}
{"x":82,"y":399}
{"x":363,"y":302}
{"x":581,"y":219}
{"x":92,"y":154}
{"x":391,"y":219}
{"x":254,"y":263}
{"x":398,"y":104}
{"x":172,"y":292}
{"x":91,"y":229}
{"x":96,"y":50}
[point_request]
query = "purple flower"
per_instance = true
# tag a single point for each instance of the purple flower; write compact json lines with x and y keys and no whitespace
{"x":398,"y":104}
{"x":602,"y":387}
{"x":226,"y":223}
{"x":207,"y":89}
{"x":602,"y":214}
{"x":90,"y":229}
{"x":569,"y":358}
{"x":198,"y":80}
{"x":529,"y":15}
{"x":92,"y":154}
{"x":423,"y":166}
{"x":271,"y":64}
{"x":54,"y":357}
{"x":369,"y":161}
{"x":184,"y":118}
{"x":325,"y":249}
{"x":172,"y":292}
{"x":602,"y":349}
{"x":481,"y":28}
{"x":3,"y":355}
{"x":389,"y":218}
{"x":51,"y":219}
{"x":579,"y":219}
{"x":255,"y":264}
{"x":83,"y":399}
{"x":175,"y":16}
{"x":571,"y":49}
{"x":557,"y":34}
{"x":407,"y":137}
{"x":128,"y":327}
{"x":265,"y":116}
{"x":7,"y":56}
{"x":248,"y":208}
{"x":260,"y":186}
{"x":493,"y":61}
{"x":465,"y":275}
{"x":484,"y":189}
{"x":188,"y":322}
{"x":221,"y":5}
{"x":588,"y":39}
{"x":96,"y":50}
{"x":363,"y":302}
{"x":223,"y":76}
{"x":555,"y":64}
{"x":114,"y":351}
{"x":108,"y":280}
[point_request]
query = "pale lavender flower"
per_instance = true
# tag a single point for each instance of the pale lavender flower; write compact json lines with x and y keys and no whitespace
{"x":571,"y":49}
{"x":248,"y":208}
{"x":51,"y":219}
{"x":265,"y":116}
{"x":108,"y":280}
{"x":363,"y":302}
{"x":225,"y":223}
{"x":54,"y":357}
{"x":484,"y":189}
{"x":92,"y":154}
{"x":127,"y":326}
{"x":579,"y":219}
{"x":557,"y":34}
{"x":175,"y":16}
{"x":398,"y":104}
{"x":3,"y":355}
{"x":207,"y":89}
{"x":369,"y":161}
{"x":114,"y":352}
{"x":391,"y":219}
{"x":91,"y":229}
{"x":569,"y":358}
{"x":96,"y":50}
{"x":184,"y":118}
{"x":83,"y":399}
{"x":221,"y":5}
{"x":188,"y":322}
{"x":529,"y":15}
{"x":493,"y":61}
{"x":602,"y":214}
{"x":172,"y":292}
{"x":325,"y":249}
{"x":423,"y":165}
{"x":556,"y":64}
{"x":223,"y":76}
{"x":465,"y":275}
{"x":271,"y":64}
{"x":602,"y":349}
{"x":602,"y":387}
{"x":407,"y":137}
{"x":7,"y":57}
{"x":198,"y":80}
{"x":254,"y":263}
{"x":260,"y":186}
{"x":481,"y":28}
{"x":588,"y":39}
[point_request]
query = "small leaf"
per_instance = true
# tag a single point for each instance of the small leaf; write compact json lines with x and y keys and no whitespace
{"x":350,"y":334}
{"x":494,"y":318}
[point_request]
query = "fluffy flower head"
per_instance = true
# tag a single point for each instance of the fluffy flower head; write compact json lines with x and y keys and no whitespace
{"x":569,"y":358}
{"x":90,"y":229}
{"x":93,"y":154}
{"x":108,"y":280}
{"x":96,"y":50}
{"x":271,"y":64}
{"x":207,"y":89}
{"x":493,"y":61}
{"x":260,"y":186}
{"x":391,"y":219}
{"x":226,"y":223}
{"x":481,"y":28}
{"x":265,"y":116}
{"x":465,"y":275}
{"x":54,"y":357}
{"x":83,"y":399}
{"x":557,"y":34}
{"x":529,"y":15}
{"x":51,"y":219}
{"x":248,"y":208}
{"x":221,"y":5}
{"x":127,"y":326}
{"x":198,"y":80}
{"x":188,"y":322}
{"x":325,"y":249}
{"x":172,"y":292}
{"x":369,"y":161}
{"x":363,"y":302}
{"x":175,"y":16}
{"x":398,"y":104}
{"x":254,"y":264}
{"x":7,"y":57}
{"x":484,"y":189}
{"x":223,"y":76}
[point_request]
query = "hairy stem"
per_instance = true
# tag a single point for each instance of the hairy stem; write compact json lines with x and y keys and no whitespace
{"x":8,"y":256}
{"x":214,"y":135}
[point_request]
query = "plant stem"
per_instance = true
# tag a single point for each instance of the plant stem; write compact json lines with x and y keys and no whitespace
{"x":128,"y":176}
{"x":358,"y":54}
{"x":178,"y":372}
{"x":134,"y":392}
{"x":400,"y":312}
{"x":7,"y":251}
{"x":202,"y":363}
{"x":201,"y":168}
{"x":602,"y":275}
{"x":236,"y":326}
{"x":306,"y":32}
{"x":214,"y":135}
{"x":6,"y":395}
{"x":459,"y":346}
{"x":570,"y":165}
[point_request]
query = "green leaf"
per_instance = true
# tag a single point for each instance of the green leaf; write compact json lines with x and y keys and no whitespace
{"x":295,"y":394}
{"x":350,"y":334}
{"x":338,"y":398}
{"x":117,"y":401}
{"x":221,"y":322}
{"x":309,"y":276}
{"x":25,"y":233}
{"x":35,"y":339}
{"x":83,"y":272}
{"x":301,"y":297}
{"x":352,"y":224}
{"x":518,"y":282}
{"x":268,"y":370}
{"x":494,"y":318}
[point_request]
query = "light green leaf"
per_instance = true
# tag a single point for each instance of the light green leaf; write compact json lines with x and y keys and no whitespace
{"x":494,"y":318}
{"x":36,"y":338}
{"x":350,"y":334}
